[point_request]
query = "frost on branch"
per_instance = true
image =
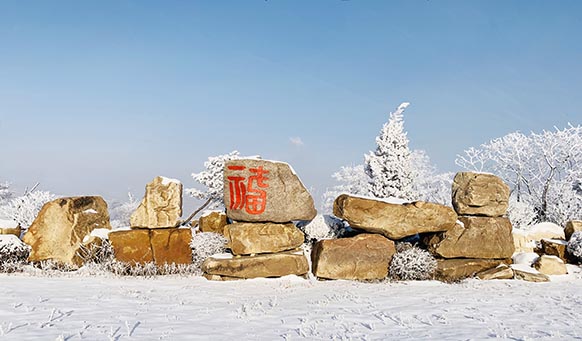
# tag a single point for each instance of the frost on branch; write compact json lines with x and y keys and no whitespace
{"x":206,"y":244}
{"x":5,"y":192}
{"x":575,"y":245}
{"x":411,"y":263}
{"x":24,"y":209}
{"x":121,"y":212}
{"x":350,"y":180}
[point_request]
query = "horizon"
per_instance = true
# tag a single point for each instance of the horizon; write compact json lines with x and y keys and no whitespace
{"x":100,"y":99}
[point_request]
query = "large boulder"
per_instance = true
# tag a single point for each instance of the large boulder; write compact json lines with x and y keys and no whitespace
{"x":161,"y":246}
{"x":161,"y":206}
{"x":452,"y":270}
{"x":571,"y":227}
{"x":212,"y":221}
{"x":550,"y":265}
{"x":474,"y":237}
{"x":10,"y":227}
{"x":394,"y":221}
{"x":265,"y":191}
{"x":61,"y":225}
{"x":479,"y":194}
{"x":267,"y":265}
{"x":363,"y":257}
{"x":251,"y":238}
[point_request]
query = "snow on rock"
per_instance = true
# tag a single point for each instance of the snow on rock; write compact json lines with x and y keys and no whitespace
{"x":546,"y":230}
{"x":524,"y":268}
{"x":389,"y":200}
{"x":8,"y":224}
{"x":90,"y":211}
{"x":100,"y":233}
{"x":206,"y":213}
{"x":167,"y":181}
{"x":11,"y":242}
{"x":525,"y":258}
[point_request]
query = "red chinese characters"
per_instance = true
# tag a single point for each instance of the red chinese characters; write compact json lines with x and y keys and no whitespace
{"x":246,"y":192}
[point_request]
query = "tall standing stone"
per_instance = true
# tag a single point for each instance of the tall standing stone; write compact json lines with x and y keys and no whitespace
{"x":265,"y":191}
{"x":161,"y":206}
{"x":479,"y":194}
{"x":394,"y":221}
{"x":62,"y":224}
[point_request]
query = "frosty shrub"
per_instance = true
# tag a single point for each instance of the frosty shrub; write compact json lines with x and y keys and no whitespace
{"x":13,"y":253}
{"x":575,"y":245}
{"x":24,"y":209}
{"x":121,"y":212}
{"x":411,"y":263}
{"x":206,"y":244}
{"x":96,"y":253}
{"x":522,"y":214}
{"x":322,"y":227}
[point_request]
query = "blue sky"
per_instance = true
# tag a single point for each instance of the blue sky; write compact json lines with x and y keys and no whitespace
{"x":100,"y":97}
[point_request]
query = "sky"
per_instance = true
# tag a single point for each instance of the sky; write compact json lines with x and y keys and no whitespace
{"x":98,"y":98}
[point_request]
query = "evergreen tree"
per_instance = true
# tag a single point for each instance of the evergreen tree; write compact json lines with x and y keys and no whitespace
{"x":389,"y":167}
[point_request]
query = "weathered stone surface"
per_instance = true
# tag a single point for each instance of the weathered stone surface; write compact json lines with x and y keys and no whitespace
{"x":171,"y":246}
{"x":132,"y":246}
{"x":500,"y":272}
{"x":451,"y":270}
{"x":62,"y":224}
{"x":162,"y":246}
{"x":571,"y":227}
{"x":550,"y":265}
{"x":363,"y":257}
{"x":474,"y":237}
{"x":556,"y":247}
{"x":212,"y":222}
{"x":394,"y":221}
{"x":161,"y":206}
{"x":265,"y":191}
{"x":252,"y":238}
{"x":528,"y":274}
{"x":16,"y":231}
{"x":480,"y":194}
{"x":269,"y":265}
{"x":522,"y":242}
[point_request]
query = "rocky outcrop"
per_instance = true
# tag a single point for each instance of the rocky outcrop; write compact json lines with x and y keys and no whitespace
{"x":394,"y":221}
{"x":265,"y":191}
{"x":363,"y":257}
{"x":161,"y":246}
{"x":161,"y":206}
{"x":212,"y":222}
{"x":252,"y":238}
{"x":267,"y":265}
{"x":571,"y":227}
{"x":62,"y":224}
{"x":452,"y":270}
{"x":474,"y":237}
{"x":500,"y":272}
{"x":479,"y":194}
{"x":550,"y":265}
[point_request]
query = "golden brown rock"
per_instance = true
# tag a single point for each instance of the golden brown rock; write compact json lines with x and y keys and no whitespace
{"x":394,"y":221}
{"x":571,"y":227}
{"x":16,"y":231}
{"x":474,"y":237}
{"x":363,"y":257}
{"x":452,"y":270}
{"x":269,"y":265}
{"x":480,"y":194}
{"x":212,"y":222}
{"x":500,"y":272}
{"x":252,"y":238}
{"x":161,"y":206}
{"x":62,"y":224}
{"x":171,"y":246}
{"x":556,"y":247}
{"x":525,"y":273}
{"x":265,"y":191}
{"x":132,"y":246}
{"x":550,"y":265}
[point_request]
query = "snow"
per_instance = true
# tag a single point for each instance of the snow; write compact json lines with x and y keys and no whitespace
{"x":389,"y":200}
{"x":206,"y":213}
{"x":101,"y":233}
{"x":191,"y":308}
{"x":10,"y":242}
{"x":546,"y":228}
{"x":557,"y":241}
{"x":524,"y":268}
{"x":525,"y":258}
{"x":8,"y":224}
{"x":167,"y":181}
{"x":460,"y":223}
{"x":90,"y":211}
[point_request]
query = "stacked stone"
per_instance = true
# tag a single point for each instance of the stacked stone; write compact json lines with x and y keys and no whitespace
{"x":154,"y":235}
{"x":10,"y":227}
{"x":367,"y":256}
{"x":482,"y":237}
{"x":262,"y":198}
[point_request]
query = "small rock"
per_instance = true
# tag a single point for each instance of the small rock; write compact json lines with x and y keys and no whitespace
{"x":394,"y":221}
{"x":500,"y":272}
{"x":363,"y":257}
{"x":556,"y":247}
{"x":214,"y":222}
{"x":268,"y":265}
{"x":550,"y":265}
{"x":161,"y":206}
{"x":571,"y":227}
{"x":480,"y":194}
{"x":252,"y":238}
{"x":528,"y":274}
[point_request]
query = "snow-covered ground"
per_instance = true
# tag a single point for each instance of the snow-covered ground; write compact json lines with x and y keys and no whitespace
{"x":186,"y":308}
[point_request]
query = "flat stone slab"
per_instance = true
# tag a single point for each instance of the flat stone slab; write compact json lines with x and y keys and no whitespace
{"x":268,"y":265}
{"x":254,"y":238}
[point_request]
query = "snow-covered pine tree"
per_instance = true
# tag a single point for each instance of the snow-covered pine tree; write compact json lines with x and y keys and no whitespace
{"x":389,"y":167}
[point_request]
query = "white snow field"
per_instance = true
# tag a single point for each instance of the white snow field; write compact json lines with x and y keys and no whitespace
{"x":79,"y":307}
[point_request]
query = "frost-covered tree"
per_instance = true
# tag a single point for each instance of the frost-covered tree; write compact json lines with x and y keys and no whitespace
{"x":575,"y":245}
{"x":5,"y":192}
{"x":428,"y":184}
{"x":389,"y":167}
{"x":542,"y":169}
{"x":120,"y":213}
{"x":206,"y":244}
{"x":350,"y":180}
{"x":24,"y":209}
